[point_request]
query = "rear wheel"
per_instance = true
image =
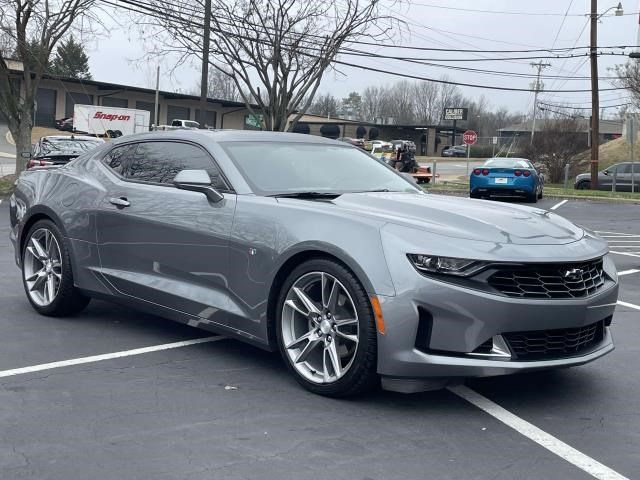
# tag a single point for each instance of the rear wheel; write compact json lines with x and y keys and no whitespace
{"x":533,"y":198}
{"x":326,"y":332}
{"x":46,"y":272}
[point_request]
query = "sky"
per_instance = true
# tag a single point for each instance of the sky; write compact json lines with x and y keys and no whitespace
{"x":120,"y":56}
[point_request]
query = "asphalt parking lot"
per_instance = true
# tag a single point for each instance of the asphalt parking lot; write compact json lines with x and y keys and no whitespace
{"x":222,"y":409}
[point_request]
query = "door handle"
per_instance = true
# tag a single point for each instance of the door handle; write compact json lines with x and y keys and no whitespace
{"x":120,"y":201}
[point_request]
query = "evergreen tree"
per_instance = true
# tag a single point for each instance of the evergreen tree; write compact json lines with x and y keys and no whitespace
{"x":71,"y":60}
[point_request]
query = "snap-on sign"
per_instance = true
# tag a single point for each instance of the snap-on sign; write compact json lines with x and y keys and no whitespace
{"x":111,"y":116}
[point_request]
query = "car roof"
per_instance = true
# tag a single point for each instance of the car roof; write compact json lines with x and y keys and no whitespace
{"x":71,"y":137}
{"x":227,"y":136}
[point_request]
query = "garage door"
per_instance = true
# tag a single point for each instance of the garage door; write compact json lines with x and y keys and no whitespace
{"x":174,"y":112}
{"x":115,"y":102}
{"x":46,"y":107}
{"x":149,"y":107}
{"x":211,"y":118}
{"x":73,"y":98}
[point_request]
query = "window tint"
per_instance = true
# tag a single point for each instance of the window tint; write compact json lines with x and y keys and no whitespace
{"x":119,"y":157}
{"x":160,"y":162}
{"x":623,"y":168}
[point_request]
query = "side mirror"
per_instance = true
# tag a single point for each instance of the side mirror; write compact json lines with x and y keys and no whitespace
{"x":197,"y":181}
{"x":606,"y":172}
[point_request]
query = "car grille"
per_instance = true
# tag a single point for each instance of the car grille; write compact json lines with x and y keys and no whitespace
{"x":549,"y":344}
{"x":550,"y":280}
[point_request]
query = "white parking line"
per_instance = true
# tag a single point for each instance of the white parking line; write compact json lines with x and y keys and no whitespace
{"x":627,"y":254}
{"x":628,"y":305}
{"x":559,"y":204}
{"x":106,"y":356}
{"x":546,"y":440}
{"x":628,"y":272}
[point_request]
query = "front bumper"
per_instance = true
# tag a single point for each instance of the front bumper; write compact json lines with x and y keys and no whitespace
{"x":434,"y":326}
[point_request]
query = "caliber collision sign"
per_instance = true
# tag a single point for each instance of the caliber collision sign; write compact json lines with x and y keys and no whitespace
{"x":455,"y":113}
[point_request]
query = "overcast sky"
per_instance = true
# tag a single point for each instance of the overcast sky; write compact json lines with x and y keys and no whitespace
{"x":117,"y":59}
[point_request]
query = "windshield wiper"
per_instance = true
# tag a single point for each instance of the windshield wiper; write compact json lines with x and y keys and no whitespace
{"x":307,"y":195}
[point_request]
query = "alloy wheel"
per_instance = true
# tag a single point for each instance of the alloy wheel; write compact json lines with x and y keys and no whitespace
{"x":320,"y":329}
{"x":42,"y":268}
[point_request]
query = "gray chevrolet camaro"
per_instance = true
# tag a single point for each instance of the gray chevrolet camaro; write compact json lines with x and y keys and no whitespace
{"x":311,"y":247}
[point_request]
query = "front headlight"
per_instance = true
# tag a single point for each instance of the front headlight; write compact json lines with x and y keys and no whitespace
{"x":459,"y":267}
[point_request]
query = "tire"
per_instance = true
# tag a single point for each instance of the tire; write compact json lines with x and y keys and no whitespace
{"x":359,"y":374}
{"x":584,"y":185}
{"x":474,"y":195}
{"x":67,"y":299}
{"x":533,"y":198}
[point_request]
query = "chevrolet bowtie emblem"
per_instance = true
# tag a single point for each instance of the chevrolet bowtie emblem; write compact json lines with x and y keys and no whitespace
{"x":574,"y":274}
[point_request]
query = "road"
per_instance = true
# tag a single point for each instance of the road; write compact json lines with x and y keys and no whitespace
{"x":222,"y":409}
{"x":453,"y":168}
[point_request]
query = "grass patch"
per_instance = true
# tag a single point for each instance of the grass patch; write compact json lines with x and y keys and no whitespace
{"x":6,"y":185}
{"x":560,"y":191}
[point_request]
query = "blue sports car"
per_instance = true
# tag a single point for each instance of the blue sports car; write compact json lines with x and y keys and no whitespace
{"x":506,"y":177}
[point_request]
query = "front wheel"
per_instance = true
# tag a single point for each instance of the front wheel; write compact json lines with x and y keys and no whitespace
{"x":585,"y":185}
{"x":46,"y":272}
{"x":326,"y":331}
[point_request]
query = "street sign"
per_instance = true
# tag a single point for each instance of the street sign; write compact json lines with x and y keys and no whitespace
{"x":456,"y":113}
{"x":495,"y":140}
{"x":470,"y":137}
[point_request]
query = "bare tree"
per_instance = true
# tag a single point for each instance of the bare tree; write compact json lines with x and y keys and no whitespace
{"x":30,"y":30}
{"x":425,"y":96}
{"x":325,"y":105}
{"x":562,"y":137}
{"x":371,"y":97}
{"x":276,"y":51}
{"x":220,"y":86}
{"x":629,"y":78}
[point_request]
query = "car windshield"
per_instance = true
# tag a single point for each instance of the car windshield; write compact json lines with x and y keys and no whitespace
{"x":273,"y":168}
{"x":63,"y":146}
{"x":192,"y":124}
{"x":507,"y":163}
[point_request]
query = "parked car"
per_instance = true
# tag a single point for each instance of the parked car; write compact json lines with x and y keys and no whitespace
{"x":455,"y":151}
{"x":60,"y":149}
{"x":188,"y":124}
{"x":65,"y":124}
{"x":279,"y":240}
{"x":622,"y":174}
{"x":506,"y":177}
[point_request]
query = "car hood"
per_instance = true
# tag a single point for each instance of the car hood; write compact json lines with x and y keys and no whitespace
{"x":463,"y":218}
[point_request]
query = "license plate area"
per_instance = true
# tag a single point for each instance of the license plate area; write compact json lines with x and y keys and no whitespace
{"x":501,"y":180}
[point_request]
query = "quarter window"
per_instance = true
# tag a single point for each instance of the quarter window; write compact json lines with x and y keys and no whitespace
{"x":119,"y":158}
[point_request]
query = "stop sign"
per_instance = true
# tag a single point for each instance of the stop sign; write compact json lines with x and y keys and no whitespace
{"x":470,"y":137}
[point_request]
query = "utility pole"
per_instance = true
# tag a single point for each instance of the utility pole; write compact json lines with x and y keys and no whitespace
{"x":595,"y":97}
{"x":157,"y":104}
{"x":537,"y":88}
{"x":204,"y":79}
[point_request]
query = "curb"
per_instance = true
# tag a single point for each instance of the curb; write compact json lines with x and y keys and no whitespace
{"x":458,"y":193}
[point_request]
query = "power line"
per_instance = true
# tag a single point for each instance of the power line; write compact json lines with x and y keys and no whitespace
{"x":584,"y":108}
{"x":505,"y":12}
{"x":149,"y":10}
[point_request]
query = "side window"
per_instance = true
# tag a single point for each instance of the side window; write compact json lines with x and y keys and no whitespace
{"x":160,"y":162}
{"x":624,"y":168}
{"x":119,"y":158}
